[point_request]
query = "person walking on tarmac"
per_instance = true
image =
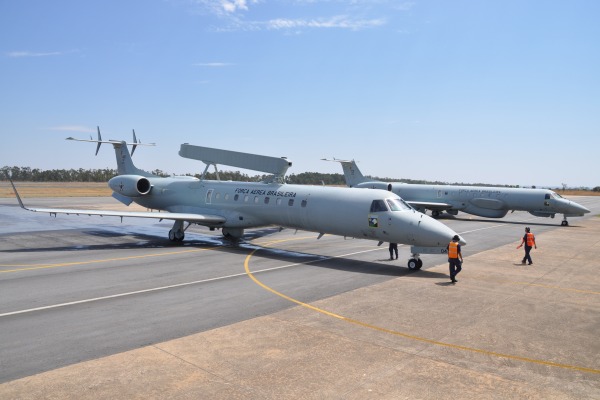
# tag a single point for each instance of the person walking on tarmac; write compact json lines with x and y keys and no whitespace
{"x":393,"y":249}
{"x":455,"y":258}
{"x":529,"y":241}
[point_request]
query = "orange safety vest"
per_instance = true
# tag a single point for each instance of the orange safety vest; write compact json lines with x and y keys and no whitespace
{"x":453,"y":250}
{"x":530,"y":239}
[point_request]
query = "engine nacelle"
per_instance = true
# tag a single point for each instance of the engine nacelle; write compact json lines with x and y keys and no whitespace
{"x":130,"y":185}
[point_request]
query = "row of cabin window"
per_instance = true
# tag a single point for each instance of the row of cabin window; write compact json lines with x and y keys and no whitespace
{"x":256,"y":199}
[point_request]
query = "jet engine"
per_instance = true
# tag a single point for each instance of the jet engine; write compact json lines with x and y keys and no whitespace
{"x":130,"y":185}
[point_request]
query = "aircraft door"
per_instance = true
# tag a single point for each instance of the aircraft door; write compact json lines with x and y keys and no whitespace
{"x":209,"y":193}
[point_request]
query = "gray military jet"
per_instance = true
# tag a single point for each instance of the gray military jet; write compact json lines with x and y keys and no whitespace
{"x":483,"y":201}
{"x":234,"y":206}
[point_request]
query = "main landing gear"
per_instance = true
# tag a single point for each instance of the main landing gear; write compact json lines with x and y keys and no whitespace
{"x":415,"y":262}
{"x":177,"y":233}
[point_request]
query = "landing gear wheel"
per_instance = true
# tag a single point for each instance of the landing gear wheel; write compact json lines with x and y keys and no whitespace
{"x":176,"y":235}
{"x":435,"y":214}
{"x":564,"y":223}
{"x":414,"y":264}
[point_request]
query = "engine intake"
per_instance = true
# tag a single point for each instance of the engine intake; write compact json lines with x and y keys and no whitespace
{"x":130,"y":185}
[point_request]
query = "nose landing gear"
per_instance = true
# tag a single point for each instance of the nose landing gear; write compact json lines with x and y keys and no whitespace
{"x":415,"y":262}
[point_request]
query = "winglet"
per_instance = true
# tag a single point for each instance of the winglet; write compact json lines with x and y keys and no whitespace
{"x":99,"y":141}
{"x":15,"y":190}
{"x":135,"y":141}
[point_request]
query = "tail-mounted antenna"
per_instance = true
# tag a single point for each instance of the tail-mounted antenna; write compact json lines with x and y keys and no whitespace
{"x":134,"y":144}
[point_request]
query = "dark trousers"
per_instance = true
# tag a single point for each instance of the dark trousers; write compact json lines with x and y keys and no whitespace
{"x":527,"y":256}
{"x":393,"y":249}
{"x":455,"y":267}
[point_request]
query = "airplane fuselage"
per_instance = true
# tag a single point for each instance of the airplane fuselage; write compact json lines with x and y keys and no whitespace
{"x":333,"y":210}
{"x":490,"y":202}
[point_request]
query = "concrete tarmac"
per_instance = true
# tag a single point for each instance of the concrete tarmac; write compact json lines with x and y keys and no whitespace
{"x":505,"y":331}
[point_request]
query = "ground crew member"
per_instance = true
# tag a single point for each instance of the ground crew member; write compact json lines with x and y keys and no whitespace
{"x":454,"y":258}
{"x":393,"y":249}
{"x":529,"y":241}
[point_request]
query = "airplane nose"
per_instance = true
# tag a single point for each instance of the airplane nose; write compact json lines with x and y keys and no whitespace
{"x":582,"y":209}
{"x":576,"y":208}
{"x":434,"y":233}
{"x":462,"y":241}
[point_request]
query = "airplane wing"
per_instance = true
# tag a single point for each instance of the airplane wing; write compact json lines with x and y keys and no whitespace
{"x":202,"y":219}
{"x":429,"y":205}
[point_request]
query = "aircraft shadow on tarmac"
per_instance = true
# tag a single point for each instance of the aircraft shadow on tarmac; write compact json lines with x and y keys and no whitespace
{"x":500,"y":221}
{"x":136,"y":240}
{"x":341,"y":264}
{"x":216,"y":243}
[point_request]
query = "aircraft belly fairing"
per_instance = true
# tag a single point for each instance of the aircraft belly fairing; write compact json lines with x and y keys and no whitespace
{"x":484,"y":212}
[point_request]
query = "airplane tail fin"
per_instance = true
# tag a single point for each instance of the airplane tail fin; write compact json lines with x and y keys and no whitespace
{"x":352,"y":174}
{"x":125,"y":164}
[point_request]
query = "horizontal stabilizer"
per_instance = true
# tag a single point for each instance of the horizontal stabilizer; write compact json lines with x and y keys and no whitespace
{"x":272,"y":165}
{"x":135,"y":143}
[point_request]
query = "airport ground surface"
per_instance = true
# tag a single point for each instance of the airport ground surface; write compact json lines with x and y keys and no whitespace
{"x":94,"y":308}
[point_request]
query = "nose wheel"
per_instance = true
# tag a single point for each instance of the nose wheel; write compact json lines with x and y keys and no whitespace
{"x":415,"y":262}
{"x":564,"y":222}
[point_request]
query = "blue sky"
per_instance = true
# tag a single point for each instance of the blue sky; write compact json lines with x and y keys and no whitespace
{"x":499,"y":92}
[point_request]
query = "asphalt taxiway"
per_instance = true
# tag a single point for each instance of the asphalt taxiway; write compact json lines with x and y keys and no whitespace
{"x":94,"y":308}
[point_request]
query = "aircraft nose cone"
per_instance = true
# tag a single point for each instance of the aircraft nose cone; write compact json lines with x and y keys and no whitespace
{"x":576,"y":208}
{"x":582,"y":209}
{"x":434,"y":233}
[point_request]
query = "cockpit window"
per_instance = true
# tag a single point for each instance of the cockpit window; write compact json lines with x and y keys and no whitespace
{"x":547,"y":197}
{"x":556,"y":195}
{"x":378,"y":205}
{"x":397,"y":205}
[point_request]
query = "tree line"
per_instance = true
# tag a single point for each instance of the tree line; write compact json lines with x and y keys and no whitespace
{"x":27,"y":174}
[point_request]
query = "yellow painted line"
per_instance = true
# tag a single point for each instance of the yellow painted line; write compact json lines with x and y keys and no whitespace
{"x":31,"y":267}
{"x":405,"y":335}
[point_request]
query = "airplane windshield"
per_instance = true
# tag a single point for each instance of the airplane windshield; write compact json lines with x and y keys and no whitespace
{"x":378,"y":206}
{"x":556,"y":195}
{"x":397,"y":205}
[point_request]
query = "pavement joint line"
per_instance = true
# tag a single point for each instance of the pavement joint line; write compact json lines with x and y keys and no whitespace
{"x":406,"y":335}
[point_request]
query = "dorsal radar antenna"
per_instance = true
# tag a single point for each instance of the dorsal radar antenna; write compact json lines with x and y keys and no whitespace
{"x":134,"y":144}
{"x":277,"y":166}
